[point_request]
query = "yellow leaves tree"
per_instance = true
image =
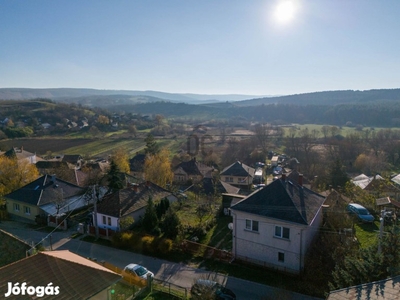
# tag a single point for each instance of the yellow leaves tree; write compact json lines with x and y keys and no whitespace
{"x":121,"y":159}
{"x":103,"y":119}
{"x":15,"y":174}
{"x":157,"y":168}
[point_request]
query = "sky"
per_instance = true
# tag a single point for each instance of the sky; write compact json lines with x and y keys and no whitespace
{"x":252,"y":47}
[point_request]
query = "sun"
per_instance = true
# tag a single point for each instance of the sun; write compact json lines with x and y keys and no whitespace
{"x":285,"y":10}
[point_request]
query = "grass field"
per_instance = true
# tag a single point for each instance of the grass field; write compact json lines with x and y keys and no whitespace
{"x":106,"y":146}
{"x":367,"y":234}
{"x":344,"y":130}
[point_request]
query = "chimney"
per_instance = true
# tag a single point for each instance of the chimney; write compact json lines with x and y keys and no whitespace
{"x":301,"y":179}
{"x":283,"y":177}
{"x":135,"y":188}
{"x":147,"y":183}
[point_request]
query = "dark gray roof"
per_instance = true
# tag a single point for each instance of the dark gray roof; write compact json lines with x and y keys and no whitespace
{"x":44,"y":190}
{"x":130,"y":199}
{"x":194,"y":167}
{"x":283,"y":200}
{"x":238,"y":169}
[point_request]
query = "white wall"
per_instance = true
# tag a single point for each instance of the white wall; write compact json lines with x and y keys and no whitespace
{"x":263,"y":247}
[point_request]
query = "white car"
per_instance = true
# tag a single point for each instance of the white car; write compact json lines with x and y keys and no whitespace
{"x":138,"y":270}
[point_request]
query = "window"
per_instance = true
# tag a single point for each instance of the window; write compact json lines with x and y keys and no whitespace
{"x":104,"y":220}
{"x":282,"y":232}
{"x":281,"y":256}
{"x":252,"y":225}
{"x":27,"y":210}
{"x":229,"y":179}
{"x":109,"y":221}
{"x":16,"y":207}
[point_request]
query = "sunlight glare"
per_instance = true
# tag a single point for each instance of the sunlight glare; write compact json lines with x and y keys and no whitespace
{"x":285,"y":10}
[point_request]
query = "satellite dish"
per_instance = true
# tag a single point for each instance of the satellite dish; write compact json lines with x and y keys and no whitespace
{"x":230,"y":226}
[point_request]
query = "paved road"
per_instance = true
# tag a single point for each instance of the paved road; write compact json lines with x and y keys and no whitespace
{"x":176,"y":273}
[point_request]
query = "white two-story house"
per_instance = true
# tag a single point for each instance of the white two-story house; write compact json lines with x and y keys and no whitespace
{"x":276,"y":225}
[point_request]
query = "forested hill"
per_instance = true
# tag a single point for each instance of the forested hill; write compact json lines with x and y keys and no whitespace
{"x":371,"y":114}
{"x":328,"y":98}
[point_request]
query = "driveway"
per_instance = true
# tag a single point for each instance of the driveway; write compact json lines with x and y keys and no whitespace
{"x":177,"y":273}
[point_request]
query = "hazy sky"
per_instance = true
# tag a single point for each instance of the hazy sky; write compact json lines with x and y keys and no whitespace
{"x":203,"y":46}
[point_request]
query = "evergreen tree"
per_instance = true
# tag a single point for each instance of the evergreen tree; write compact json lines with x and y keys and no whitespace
{"x":152,"y":147}
{"x":162,"y":207}
{"x":114,"y":179}
{"x":337,"y":174}
{"x":171,"y":224}
{"x":150,"y":220}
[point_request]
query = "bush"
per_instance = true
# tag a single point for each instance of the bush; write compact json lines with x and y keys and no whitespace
{"x":164,"y":246}
{"x":147,"y":242}
{"x":122,"y":239}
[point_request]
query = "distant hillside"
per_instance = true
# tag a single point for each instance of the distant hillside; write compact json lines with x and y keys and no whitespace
{"x":328,"y":98}
{"x":77,"y":95}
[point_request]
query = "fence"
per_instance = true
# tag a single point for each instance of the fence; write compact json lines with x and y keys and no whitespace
{"x":156,"y":284}
{"x":59,"y":222}
{"x":206,"y":251}
{"x":170,"y":288}
{"x":103,"y":232}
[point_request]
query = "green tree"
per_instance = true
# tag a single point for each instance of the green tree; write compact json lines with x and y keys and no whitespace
{"x":114,"y":179}
{"x":337,"y":175}
{"x":171,"y":224}
{"x":162,"y":207}
{"x":150,"y":220}
{"x":152,"y":147}
{"x":126,"y":223}
{"x":365,"y":265}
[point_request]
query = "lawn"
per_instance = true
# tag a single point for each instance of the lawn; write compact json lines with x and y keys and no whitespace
{"x":367,"y":234}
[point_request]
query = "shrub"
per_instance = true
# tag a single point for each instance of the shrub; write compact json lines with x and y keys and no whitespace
{"x":164,"y":246}
{"x":147,"y":243}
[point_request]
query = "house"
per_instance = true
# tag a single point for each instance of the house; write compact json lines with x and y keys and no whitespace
{"x":62,"y":171}
{"x":192,"y":170}
{"x":11,"y":248}
{"x":73,"y":160}
{"x":130,"y":201}
{"x":238,"y":174}
{"x":377,"y":186}
{"x":275,"y":226}
{"x":388,"y":288}
{"x":294,"y":175}
{"x":68,"y":276}
{"x":45,"y":196}
{"x":20,"y":154}
{"x":136,"y":165}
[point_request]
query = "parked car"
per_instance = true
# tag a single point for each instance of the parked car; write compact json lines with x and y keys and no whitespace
{"x":205,"y":289}
{"x":360,"y":212}
{"x":139,"y":271}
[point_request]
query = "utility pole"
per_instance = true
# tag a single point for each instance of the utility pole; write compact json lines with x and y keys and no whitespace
{"x":381,"y":220}
{"x":96,"y":197}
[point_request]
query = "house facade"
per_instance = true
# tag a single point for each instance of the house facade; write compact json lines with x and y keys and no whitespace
{"x":128,"y":202}
{"x":238,"y":174}
{"x":45,"y":196}
{"x":276,"y":225}
{"x":192,"y":170}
